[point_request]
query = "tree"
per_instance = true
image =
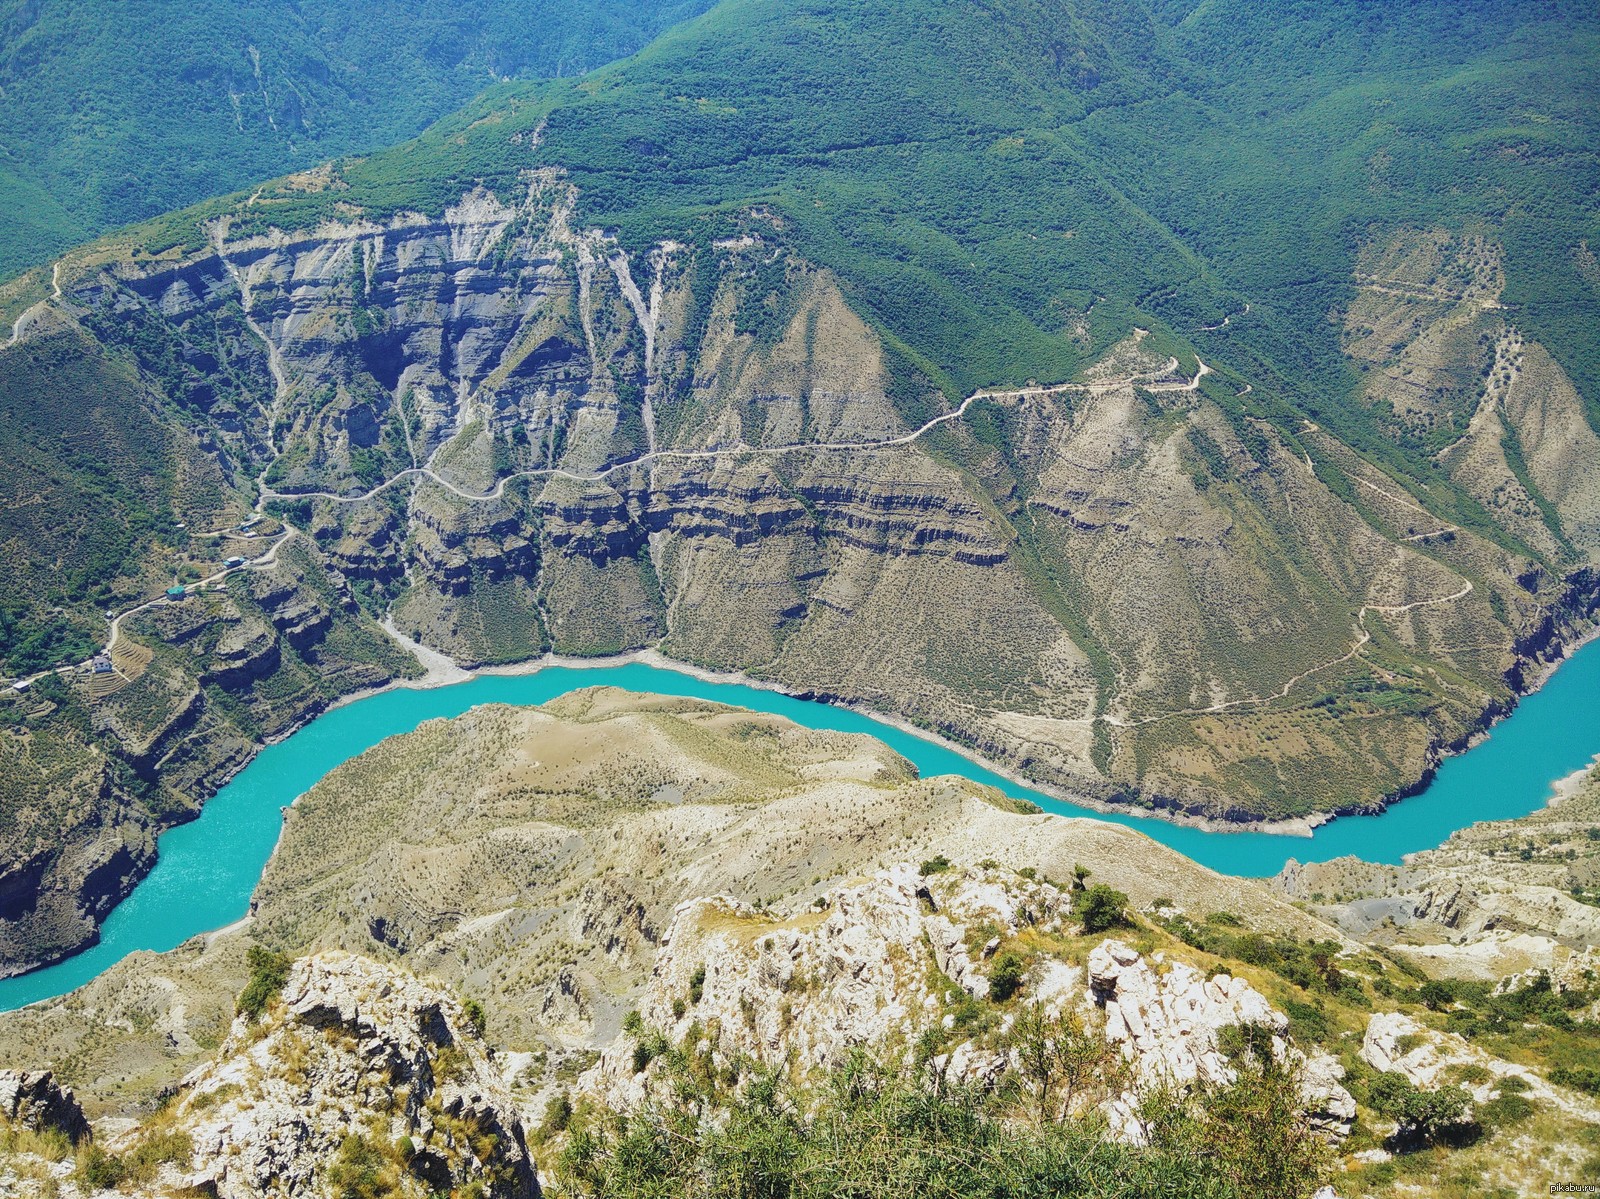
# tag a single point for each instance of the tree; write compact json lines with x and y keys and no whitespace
{"x":1433,"y":1117}
{"x":1101,"y":908}
{"x":1256,"y":1133}
{"x":1436,"y":995}
{"x":1063,"y":1059}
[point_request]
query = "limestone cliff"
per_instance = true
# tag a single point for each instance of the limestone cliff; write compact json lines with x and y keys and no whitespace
{"x":888,"y":962}
{"x":517,"y":435}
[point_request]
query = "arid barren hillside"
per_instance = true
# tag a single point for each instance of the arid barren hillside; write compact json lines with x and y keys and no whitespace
{"x":663,"y":909}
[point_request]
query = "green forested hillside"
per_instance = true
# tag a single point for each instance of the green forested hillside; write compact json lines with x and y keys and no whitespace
{"x":987,"y":177}
{"x":1371,"y":225}
{"x":116,"y":112}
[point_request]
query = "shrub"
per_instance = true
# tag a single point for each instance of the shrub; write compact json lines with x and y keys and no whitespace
{"x":1433,"y":1117}
{"x":360,"y":1171}
{"x":1005,"y":976}
{"x":269,"y":970}
{"x":1101,"y":908}
{"x":557,"y":1116}
{"x":935,"y":865}
{"x":97,"y":1170}
{"x":1436,"y":995}
{"x":868,"y":1129}
{"x":1580,"y":1079}
{"x":1505,"y":1110}
{"x":477,"y":1018}
{"x":1307,"y":1021}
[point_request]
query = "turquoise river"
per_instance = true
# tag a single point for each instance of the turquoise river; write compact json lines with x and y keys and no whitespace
{"x":209,"y":867}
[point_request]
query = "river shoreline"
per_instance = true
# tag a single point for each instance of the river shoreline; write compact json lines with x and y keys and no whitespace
{"x":207,"y":871}
{"x":441,"y":671}
{"x":438,"y":674}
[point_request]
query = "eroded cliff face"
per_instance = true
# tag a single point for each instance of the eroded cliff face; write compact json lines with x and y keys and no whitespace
{"x":518,"y":436}
{"x":98,"y":771}
{"x":507,"y":435}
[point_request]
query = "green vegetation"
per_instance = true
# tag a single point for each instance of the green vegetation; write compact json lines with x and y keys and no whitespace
{"x":87,"y":495}
{"x":120,"y":113}
{"x":1310,"y":965}
{"x":875,"y":1128}
{"x":1428,"y":1115}
{"x":1005,"y":975}
{"x":96,"y":1169}
{"x":1101,"y":908}
{"x":269,"y":970}
{"x":1002,"y":194}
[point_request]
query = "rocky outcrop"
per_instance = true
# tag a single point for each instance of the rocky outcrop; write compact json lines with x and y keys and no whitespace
{"x":352,"y":1050}
{"x":1169,"y":1025}
{"x":1429,"y":1059}
{"x":34,"y":1100}
{"x":875,"y":964}
{"x":1499,"y":898}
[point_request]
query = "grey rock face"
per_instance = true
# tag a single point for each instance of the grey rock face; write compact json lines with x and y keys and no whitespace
{"x":32,"y":1099}
{"x":356,"y":1050}
{"x":805,"y":991}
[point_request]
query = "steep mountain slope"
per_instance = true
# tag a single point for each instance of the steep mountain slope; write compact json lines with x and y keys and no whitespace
{"x":115,"y":113}
{"x":942,"y":391}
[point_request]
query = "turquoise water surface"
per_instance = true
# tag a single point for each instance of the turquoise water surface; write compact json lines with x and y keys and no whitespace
{"x":208,"y":868}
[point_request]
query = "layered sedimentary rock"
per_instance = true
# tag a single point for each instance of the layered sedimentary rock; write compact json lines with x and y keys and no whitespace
{"x":508,"y":434}
{"x":521,"y":436}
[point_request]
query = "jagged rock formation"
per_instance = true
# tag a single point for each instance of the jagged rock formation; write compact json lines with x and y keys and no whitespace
{"x":357,"y":1076}
{"x":353,"y":1050}
{"x":32,"y":1099}
{"x":878,"y":964}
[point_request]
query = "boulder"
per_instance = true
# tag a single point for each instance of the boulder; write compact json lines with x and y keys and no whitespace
{"x":32,"y":1099}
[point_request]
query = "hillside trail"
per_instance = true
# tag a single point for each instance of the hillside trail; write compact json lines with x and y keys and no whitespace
{"x":1362,"y":638}
{"x":26,"y":317}
{"x":1155,"y":381}
{"x":1150,"y":380}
